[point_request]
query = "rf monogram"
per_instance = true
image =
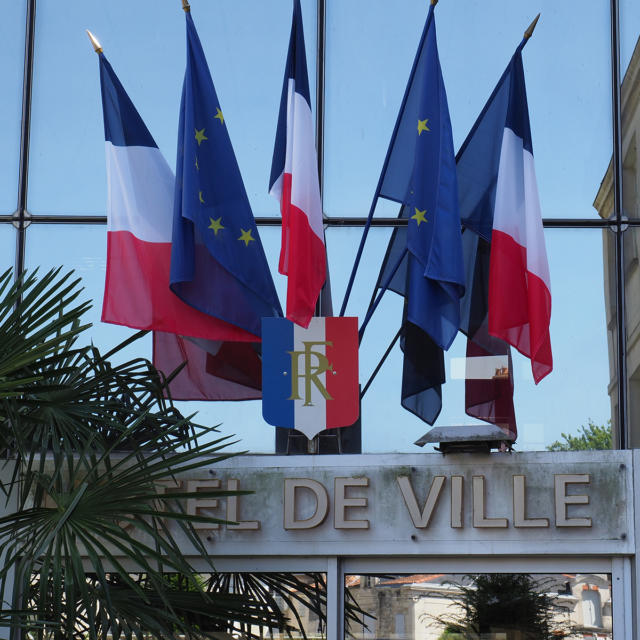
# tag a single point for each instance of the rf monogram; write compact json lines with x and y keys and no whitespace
{"x":314,"y":365}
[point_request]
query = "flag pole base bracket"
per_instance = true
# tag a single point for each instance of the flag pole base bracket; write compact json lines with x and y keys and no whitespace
{"x":476,"y":438}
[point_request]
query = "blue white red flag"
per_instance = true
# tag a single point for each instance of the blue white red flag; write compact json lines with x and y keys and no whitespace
{"x":499,"y":201}
{"x":139,"y":234}
{"x":294,"y":183}
{"x":310,"y":376}
{"x":139,"y":220}
{"x":218,"y":264}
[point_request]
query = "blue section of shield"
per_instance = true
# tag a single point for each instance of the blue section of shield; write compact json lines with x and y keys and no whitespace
{"x":277,"y":341}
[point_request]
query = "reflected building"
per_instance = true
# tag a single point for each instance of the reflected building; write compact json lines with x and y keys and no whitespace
{"x":604,"y":204}
{"x":418,"y":606}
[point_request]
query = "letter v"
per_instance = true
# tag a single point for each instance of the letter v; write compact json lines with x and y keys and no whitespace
{"x":420,"y":519}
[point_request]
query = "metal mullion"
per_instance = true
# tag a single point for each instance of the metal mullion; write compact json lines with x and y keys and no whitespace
{"x":21,"y":215}
{"x":275,"y":221}
{"x":320,"y":91}
{"x":623,"y":427}
{"x":67,"y":219}
{"x":548,"y":223}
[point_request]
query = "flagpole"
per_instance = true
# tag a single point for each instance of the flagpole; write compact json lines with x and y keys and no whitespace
{"x":383,"y":288}
{"x":526,"y":37}
{"x":97,"y":47}
{"x":185,"y":6}
{"x":382,"y":360}
{"x":367,"y":226}
{"x":529,"y":32}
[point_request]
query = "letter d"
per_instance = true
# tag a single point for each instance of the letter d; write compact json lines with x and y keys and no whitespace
{"x":291,"y":485}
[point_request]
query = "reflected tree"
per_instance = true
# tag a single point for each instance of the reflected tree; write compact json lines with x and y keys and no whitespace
{"x":589,"y":437}
{"x":514,"y":604}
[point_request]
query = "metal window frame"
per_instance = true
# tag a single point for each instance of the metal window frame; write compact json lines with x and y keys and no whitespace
{"x":21,"y":219}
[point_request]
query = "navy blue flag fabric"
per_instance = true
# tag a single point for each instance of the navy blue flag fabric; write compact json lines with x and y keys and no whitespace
{"x":486,"y":398}
{"x":421,"y":175}
{"x":478,"y":160}
{"x":218,"y":264}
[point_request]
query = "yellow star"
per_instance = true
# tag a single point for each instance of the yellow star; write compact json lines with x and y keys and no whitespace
{"x":219,"y":115}
{"x":419,"y":216}
{"x":200,"y":197}
{"x":197,"y":165}
{"x":200,"y":136}
{"x":246,"y":237}
{"x":422,"y":126}
{"x":216,"y":225}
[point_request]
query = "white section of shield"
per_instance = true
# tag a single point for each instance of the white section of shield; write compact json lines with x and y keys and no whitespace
{"x":310,"y":419}
{"x":517,"y":209}
{"x":140,"y":192}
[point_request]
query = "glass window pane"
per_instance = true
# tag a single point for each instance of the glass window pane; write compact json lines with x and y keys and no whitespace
{"x":301,"y":597}
{"x":632,"y":300}
{"x":370,"y":48}
{"x":11,"y":66}
{"x":245,"y":44}
{"x":83,"y":248}
{"x":576,"y":391}
{"x":630,"y":107}
{"x":629,"y":31}
{"x":7,"y":246}
{"x":499,"y":606}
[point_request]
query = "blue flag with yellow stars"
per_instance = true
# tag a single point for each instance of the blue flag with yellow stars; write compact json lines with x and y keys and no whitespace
{"x":421,"y":174}
{"x":218,"y":264}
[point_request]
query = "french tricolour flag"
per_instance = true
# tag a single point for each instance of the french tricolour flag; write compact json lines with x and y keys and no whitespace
{"x":139,"y":228}
{"x":519,"y":283}
{"x":294,"y":182}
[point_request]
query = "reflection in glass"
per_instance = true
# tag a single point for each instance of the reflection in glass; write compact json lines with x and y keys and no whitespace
{"x":629,"y":31}
{"x":83,"y":249}
{"x":498,"y":606}
{"x":245,"y":44}
{"x":11,"y":65}
{"x":566,"y":98}
{"x":301,"y":597}
{"x":7,"y":246}
{"x":574,"y":393}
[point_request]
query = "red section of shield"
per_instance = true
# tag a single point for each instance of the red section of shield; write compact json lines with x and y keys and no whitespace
{"x":342,"y":381}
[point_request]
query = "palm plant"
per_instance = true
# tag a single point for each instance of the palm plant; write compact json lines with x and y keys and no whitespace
{"x":89,"y":534}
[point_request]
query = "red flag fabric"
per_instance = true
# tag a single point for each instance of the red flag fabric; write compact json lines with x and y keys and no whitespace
{"x":294,"y":183}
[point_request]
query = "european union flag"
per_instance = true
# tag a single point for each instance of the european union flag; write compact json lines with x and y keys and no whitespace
{"x":218,"y":264}
{"x":421,"y":175}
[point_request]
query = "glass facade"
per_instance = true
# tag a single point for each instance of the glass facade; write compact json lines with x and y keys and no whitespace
{"x":499,"y":606}
{"x":583,"y":80}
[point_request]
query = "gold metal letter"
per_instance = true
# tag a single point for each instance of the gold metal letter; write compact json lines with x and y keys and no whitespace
{"x":562,"y":499}
{"x":291,"y":485}
{"x":232,"y":510}
{"x":519,"y":506}
{"x":342,"y":503}
{"x":419,"y":518}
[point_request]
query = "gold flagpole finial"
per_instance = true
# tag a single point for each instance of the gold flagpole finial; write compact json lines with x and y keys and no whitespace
{"x":529,"y":32}
{"x":185,"y":6}
{"x":434,"y":2}
{"x":94,"y":41}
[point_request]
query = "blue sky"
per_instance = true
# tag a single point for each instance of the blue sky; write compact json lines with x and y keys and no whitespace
{"x":370,"y":44}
